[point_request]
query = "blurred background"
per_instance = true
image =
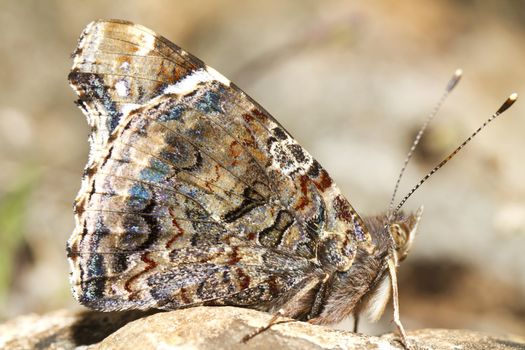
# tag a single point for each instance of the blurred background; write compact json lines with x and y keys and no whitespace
{"x":351,"y":80}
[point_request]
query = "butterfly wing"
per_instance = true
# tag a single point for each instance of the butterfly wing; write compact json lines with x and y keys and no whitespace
{"x":193,"y":193}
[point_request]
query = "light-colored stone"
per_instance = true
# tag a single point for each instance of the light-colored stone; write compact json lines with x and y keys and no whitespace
{"x":216,"y":328}
{"x":62,"y":329}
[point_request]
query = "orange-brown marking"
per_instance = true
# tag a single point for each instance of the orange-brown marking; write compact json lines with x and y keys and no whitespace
{"x":179,"y":229}
{"x":247,"y":117}
{"x":205,"y":258}
{"x":234,"y":256}
{"x":304,"y":200}
{"x":123,"y":59}
{"x":150,"y":264}
{"x":249,"y":142}
{"x":217,"y":177}
{"x":166,"y":72}
{"x":259,"y":115}
{"x":324,"y":182}
{"x":133,"y":48}
{"x":235,"y":152}
{"x":342,"y":208}
{"x":244,"y":279}
{"x":235,"y":149}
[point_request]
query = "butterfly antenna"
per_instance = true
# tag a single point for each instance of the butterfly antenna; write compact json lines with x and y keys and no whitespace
{"x":450,"y":86}
{"x":506,"y":105}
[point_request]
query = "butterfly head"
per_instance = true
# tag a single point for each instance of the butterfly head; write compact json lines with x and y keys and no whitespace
{"x":402,"y":229}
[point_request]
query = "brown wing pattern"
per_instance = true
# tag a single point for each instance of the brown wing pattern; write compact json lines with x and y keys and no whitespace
{"x":193,"y":193}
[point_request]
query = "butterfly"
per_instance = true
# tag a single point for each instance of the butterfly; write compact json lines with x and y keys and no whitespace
{"x":194,"y":194}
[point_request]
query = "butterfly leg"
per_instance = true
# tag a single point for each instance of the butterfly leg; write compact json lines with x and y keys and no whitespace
{"x":356,"y":321}
{"x":395,"y":300}
{"x":295,"y":306}
{"x":273,"y":321}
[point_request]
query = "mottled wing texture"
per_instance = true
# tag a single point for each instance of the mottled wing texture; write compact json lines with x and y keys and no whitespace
{"x":193,"y":194}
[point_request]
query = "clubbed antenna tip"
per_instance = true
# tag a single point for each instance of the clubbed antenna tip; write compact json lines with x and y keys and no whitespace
{"x":454,"y":80}
{"x":506,"y":105}
{"x":509,"y":102}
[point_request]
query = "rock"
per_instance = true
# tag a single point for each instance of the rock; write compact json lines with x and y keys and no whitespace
{"x":62,"y":329}
{"x":215,"y":328}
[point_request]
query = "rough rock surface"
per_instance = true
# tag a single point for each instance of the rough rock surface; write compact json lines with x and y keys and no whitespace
{"x":215,"y":328}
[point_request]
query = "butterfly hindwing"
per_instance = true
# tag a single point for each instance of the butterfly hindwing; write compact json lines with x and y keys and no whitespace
{"x":193,"y":194}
